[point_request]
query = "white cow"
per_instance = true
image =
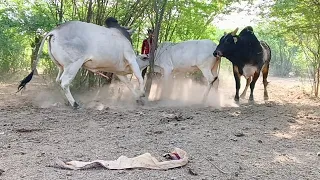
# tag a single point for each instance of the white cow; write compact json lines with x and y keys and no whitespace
{"x":77,"y":44}
{"x":188,"y":56}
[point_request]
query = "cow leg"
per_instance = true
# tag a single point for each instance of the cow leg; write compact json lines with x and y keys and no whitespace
{"x":207,"y":73}
{"x":237,"y":76}
{"x":265,"y":72}
{"x":243,"y":95}
{"x":128,"y":83}
{"x":66,"y":78}
{"x":136,"y":71}
{"x":144,"y":71}
{"x":60,"y":68}
{"x":252,"y":84}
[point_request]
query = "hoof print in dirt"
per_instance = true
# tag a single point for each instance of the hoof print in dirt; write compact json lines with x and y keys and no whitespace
{"x":291,"y":121}
{"x":192,"y":172}
{"x":174,"y":117}
{"x":23,"y":130}
{"x":239,"y":134}
{"x":154,"y":132}
{"x":140,"y":102}
{"x":158,"y":132}
{"x":1,"y":172}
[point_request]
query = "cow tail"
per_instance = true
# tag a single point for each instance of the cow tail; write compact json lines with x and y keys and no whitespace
{"x":269,"y":52}
{"x":27,"y":79}
{"x":218,"y":60}
{"x":267,"y":47}
{"x":219,"y":64}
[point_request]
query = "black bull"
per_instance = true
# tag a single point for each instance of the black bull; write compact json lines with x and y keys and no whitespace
{"x":246,"y":50}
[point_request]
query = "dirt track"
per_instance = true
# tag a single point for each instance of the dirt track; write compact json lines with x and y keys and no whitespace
{"x":278,"y":139}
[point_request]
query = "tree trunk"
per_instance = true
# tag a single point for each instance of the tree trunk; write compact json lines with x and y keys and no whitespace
{"x":91,"y":78}
{"x":316,"y":92}
{"x":89,"y":13}
{"x":158,"y":20}
{"x":281,"y":59}
{"x":61,"y":12}
{"x":35,"y":48}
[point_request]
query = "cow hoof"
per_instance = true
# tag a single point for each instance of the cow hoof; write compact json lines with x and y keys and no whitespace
{"x":236,"y":99}
{"x":251,"y":99}
{"x":75,"y":105}
{"x":251,"y":102}
{"x":140,"y":102}
{"x":266,"y":98}
{"x":67,"y":103}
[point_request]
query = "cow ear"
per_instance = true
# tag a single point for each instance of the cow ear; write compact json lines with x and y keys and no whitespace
{"x":234,"y":32}
{"x":235,"y":39}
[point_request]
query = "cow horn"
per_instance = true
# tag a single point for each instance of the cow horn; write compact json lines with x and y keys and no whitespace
{"x":234,"y":32}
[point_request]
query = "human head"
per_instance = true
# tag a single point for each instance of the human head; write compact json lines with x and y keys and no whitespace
{"x":150,"y":32}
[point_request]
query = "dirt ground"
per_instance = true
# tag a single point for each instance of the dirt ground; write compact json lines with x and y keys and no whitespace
{"x":277,"y":139}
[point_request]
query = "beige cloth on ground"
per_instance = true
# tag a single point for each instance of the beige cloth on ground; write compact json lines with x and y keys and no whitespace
{"x":123,"y":162}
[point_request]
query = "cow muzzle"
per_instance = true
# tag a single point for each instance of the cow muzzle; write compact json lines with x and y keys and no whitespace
{"x":217,"y":54}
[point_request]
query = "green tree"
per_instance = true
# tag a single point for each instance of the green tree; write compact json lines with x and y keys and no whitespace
{"x":285,"y":54}
{"x":22,"y":24}
{"x":299,"y":20}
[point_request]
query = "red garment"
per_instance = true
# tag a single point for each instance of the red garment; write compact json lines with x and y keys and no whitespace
{"x":145,"y":49}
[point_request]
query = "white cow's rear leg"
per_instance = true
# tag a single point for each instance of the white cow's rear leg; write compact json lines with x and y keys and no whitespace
{"x":207,"y":73}
{"x":128,"y":83}
{"x":60,"y":68}
{"x":66,"y":78}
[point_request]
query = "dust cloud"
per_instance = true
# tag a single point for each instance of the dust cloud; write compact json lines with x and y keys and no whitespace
{"x":184,"y":92}
{"x":187,"y":92}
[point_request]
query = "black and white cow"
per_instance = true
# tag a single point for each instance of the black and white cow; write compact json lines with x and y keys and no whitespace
{"x":249,"y":57}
